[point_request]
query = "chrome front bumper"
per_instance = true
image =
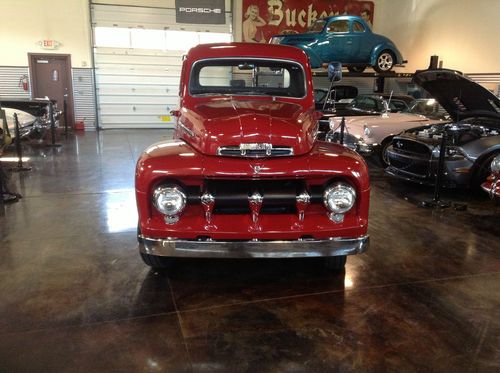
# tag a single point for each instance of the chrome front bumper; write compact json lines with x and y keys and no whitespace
{"x":253,"y":249}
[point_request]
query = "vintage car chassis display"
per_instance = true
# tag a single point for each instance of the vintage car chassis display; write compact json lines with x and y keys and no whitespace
{"x":472,"y":139}
{"x":347,"y":39}
{"x":33,"y":116}
{"x":244,"y":176}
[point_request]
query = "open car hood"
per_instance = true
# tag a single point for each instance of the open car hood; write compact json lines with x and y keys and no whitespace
{"x":458,"y":95}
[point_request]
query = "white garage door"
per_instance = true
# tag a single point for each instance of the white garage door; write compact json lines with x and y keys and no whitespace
{"x":138,"y":56}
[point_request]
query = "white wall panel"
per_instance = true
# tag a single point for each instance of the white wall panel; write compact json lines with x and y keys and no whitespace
{"x":83,"y":97}
{"x":9,"y":78}
{"x":137,"y":88}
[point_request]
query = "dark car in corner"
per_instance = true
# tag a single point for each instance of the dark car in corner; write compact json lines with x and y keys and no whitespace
{"x":472,"y":137}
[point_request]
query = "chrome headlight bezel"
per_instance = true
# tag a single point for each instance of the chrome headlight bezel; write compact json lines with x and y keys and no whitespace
{"x":169,"y":200}
{"x":495,"y":165}
{"x":451,"y":152}
{"x":339,"y":197}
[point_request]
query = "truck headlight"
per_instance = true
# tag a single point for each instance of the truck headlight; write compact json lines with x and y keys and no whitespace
{"x":169,"y":200}
{"x":339,"y":197}
{"x":495,"y":165}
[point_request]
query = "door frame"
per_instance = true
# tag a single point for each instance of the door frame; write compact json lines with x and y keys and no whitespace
{"x":33,"y":79}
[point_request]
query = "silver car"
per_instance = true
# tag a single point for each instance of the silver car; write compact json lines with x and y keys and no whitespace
{"x":472,"y":138}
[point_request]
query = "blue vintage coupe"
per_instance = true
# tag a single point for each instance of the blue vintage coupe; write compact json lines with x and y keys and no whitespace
{"x":347,"y":39}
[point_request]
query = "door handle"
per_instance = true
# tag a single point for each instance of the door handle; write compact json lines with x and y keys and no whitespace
{"x":349,"y":42}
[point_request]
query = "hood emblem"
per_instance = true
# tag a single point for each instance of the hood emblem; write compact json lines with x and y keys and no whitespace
{"x":399,"y":144}
{"x":257,"y":168}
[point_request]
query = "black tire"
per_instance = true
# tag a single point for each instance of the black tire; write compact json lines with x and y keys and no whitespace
{"x":381,"y":156}
{"x":335,"y":263}
{"x":385,"y":62}
{"x":356,"y":69}
{"x":157,"y":262}
{"x":482,"y":172}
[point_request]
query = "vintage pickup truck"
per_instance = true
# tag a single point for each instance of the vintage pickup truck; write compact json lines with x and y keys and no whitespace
{"x":244,"y":176}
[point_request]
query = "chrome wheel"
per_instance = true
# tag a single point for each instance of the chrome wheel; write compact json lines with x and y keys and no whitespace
{"x":385,"y":62}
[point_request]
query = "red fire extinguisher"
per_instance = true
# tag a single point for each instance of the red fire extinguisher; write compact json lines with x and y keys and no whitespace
{"x":23,"y":82}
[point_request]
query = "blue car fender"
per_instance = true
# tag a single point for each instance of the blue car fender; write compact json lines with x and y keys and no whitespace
{"x":314,"y":59}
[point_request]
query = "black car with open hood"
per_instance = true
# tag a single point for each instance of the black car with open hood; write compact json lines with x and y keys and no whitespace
{"x":472,"y":137}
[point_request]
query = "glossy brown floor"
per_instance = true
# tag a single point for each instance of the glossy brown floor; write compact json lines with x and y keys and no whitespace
{"x":75,"y":296}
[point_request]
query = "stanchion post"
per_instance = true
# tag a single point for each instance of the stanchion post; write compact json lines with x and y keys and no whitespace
{"x":2,"y":181}
{"x":65,"y":108}
{"x":19,"y":148}
{"x":52,"y":126}
{"x":342,"y":129}
{"x":440,"y":170}
{"x":436,"y":202}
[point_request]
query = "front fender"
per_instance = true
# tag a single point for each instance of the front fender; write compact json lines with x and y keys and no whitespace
{"x":482,"y":147}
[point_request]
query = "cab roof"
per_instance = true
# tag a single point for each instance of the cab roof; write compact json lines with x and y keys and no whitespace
{"x":257,"y":50}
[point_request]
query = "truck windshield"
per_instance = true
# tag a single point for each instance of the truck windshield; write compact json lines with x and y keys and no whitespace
{"x":246,"y":76}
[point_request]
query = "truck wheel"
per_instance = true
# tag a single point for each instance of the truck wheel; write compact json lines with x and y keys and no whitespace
{"x":157,"y":262}
{"x":385,"y":62}
{"x":335,"y":263}
{"x":356,"y":69}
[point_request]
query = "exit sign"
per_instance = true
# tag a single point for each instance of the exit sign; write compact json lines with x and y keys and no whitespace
{"x":49,"y":44}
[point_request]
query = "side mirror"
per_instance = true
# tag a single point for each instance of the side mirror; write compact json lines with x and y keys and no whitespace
{"x":334,"y":71}
{"x":175,"y":113}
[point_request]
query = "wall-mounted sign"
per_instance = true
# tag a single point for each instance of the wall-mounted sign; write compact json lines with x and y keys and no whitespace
{"x":265,"y":18}
{"x":200,"y":11}
{"x":49,"y":44}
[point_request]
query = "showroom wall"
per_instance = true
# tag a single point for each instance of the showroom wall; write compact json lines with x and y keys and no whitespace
{"x":25,"y":23}
{"x":462,"y":32}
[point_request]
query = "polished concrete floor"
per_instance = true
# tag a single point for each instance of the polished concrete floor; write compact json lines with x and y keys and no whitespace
{"x":75,"y":296}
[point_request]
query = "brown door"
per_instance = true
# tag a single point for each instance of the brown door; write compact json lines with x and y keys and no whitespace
{"x":51,"y":77}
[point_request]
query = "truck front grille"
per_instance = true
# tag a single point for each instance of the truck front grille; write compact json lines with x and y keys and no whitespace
{"x":278,"y":196}
{"x":257,"y":151}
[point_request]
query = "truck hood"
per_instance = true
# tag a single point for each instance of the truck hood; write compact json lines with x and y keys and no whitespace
{"x":457,"y":94}
{"x":231,"y":122}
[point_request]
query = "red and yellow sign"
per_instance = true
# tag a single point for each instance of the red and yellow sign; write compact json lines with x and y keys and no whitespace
{"x":49,"y":44}
{"x":265,"y":18}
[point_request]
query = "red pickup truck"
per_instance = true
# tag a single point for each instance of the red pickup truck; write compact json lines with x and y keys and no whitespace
{"x":244,"y":176}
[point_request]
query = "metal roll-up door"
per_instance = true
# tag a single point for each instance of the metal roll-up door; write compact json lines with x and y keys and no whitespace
{"x":137,"y":88}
